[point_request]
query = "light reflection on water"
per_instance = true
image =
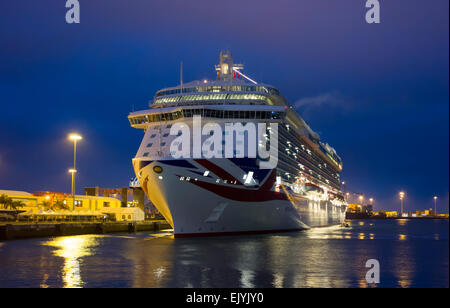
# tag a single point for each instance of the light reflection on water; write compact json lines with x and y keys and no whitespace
{"x":72,"y":249}
{"x":411,"y":254}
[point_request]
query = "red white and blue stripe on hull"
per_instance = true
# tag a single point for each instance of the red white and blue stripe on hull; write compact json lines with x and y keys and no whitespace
{"x":200,"y":197}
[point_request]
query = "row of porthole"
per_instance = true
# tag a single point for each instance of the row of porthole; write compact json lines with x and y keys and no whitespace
{"x":188,"y":179}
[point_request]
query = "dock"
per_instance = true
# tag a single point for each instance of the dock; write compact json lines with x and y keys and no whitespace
{"x":20,"y":230}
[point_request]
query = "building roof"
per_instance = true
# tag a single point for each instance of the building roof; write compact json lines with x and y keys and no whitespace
{"x":15,"y":193}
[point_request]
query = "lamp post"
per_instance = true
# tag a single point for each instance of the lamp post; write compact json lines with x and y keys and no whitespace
{"x":371,"y":201}
{"x":73,"y":171}
{"x":402,"y":196}
{"x":74,"y":138}
{"x":435,"y":210}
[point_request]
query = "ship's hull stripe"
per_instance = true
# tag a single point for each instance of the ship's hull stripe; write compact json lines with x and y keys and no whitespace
{"x":244,"y":195}
{"x":217,"y":170}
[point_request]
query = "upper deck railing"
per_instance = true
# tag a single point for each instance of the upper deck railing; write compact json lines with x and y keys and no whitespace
{"x":219,"y":88}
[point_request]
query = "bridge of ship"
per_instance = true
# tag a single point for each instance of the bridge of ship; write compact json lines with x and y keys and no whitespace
{"x":141,"y":119}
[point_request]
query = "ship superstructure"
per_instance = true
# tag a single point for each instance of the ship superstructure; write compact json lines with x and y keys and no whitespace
{"x":203,"y":196}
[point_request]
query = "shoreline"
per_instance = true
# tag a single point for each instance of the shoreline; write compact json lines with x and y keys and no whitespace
{"x":395,"y":218}
{"x":19,"y":230}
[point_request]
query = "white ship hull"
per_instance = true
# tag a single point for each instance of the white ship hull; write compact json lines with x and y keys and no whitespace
{"x":196,"y":205}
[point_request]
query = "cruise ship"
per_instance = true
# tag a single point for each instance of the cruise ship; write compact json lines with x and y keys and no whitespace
{"x":217,"y":185}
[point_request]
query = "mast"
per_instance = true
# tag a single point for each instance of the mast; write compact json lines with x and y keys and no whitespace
{"x":181,"y":77}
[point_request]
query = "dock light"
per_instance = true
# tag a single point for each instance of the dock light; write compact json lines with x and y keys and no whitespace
{"x":74,"y":137}
{"x":158,"y":169}
{"x":402,"y":196}
{"x":435,"y":200}
{"x":73,"y":171}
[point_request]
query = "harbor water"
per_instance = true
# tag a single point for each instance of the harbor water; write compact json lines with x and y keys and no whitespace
{"x":411,"y":253}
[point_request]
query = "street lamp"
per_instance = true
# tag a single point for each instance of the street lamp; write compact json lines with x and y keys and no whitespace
{"x":371,"y":201}
{"x":435,"y":210}
{"x":402,"y":196}
{"x":74,"y":138}
{"x":361,"y":198}
{"x":73,"y":171}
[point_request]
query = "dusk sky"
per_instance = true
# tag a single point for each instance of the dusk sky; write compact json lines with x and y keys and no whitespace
{"x":378,"y":93}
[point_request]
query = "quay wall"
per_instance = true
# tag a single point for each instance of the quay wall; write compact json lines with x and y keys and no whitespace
{"x":32,"y":230}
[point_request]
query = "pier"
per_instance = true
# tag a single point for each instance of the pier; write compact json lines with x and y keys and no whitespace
{"x":19,"y":230}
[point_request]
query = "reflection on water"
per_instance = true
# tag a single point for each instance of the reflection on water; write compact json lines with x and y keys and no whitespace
{"x":72,"y":249}
{"x":411,"y":254}
{"x":402,"y":222}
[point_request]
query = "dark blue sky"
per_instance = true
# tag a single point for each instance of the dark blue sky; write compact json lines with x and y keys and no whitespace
{"x":378,"y":93}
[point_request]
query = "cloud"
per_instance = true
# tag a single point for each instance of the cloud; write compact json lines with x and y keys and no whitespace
{"x":326,"y":99}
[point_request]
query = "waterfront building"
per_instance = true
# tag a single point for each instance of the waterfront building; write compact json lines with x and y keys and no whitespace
{"x":391,"y":214}
{"x":45,"y":204}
